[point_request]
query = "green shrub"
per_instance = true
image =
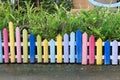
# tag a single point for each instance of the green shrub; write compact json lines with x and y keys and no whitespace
{"x":103,"y":23}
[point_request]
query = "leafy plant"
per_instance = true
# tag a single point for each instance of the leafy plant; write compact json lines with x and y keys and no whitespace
{"x":101,"y":22}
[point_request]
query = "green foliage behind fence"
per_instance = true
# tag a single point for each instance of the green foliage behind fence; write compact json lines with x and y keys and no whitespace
{"x":103,"y":23}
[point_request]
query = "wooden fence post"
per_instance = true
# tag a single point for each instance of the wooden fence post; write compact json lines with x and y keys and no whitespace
{"x":52,"y":51}
{"x":25,"y":46}
{"x":66,"y":48}
{"x":39,"y":49}
{"x":84,"y":49}
{"x":115,"y":52}
{"x":59,"y":49}
{"x":91,"y":49}
{"x":79,"y":46}
{"x":12,"y":43}
{"x":107,"y":52}
{"x":18,"y":45}
{"x":5,"y":42}
{"x":72,"y":47}
{"x":46,"y":55}
{"x":99,"y":52}
{"x":32,"y":48}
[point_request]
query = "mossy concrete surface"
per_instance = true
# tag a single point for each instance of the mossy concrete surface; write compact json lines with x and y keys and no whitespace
{"x":58,"y":72}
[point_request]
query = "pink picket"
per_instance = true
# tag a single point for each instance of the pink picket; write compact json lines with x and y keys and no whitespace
{"x":5,"y":42}
{"x":18,"y":45}
{"x":91,"y":49}
{"x":84,"y":49}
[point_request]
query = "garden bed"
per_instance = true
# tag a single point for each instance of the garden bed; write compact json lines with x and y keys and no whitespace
{"x":38,"y":25}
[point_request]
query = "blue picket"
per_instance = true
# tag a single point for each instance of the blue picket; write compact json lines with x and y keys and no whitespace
{"x":115,"y":52}
{"x":66,"y":48}
{"x":107,"y":52}
{"x":72,"y":47}
{"x":1,"y":53}
{"x":32,"y":48}
{"x":79,"y":46}
{"x":52,"y":51}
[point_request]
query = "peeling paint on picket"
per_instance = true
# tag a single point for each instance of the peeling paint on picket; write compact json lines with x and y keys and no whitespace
{"x":76,"y":47}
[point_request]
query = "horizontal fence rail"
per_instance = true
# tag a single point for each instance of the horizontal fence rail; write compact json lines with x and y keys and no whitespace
{"x":74,"y":48}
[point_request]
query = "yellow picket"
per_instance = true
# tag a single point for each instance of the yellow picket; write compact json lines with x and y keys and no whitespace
{"x":99,"y":52}
{"x":12,"y":43}
{"x":25,"y":46}
{"x":59,"y":49}
{"x":45,"y":46}
{"x":39,"y":49}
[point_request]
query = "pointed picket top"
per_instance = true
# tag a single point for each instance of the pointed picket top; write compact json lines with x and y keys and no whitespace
{"x":107,"y":41}
{"x":38,"y":37}
{"x":52,"y":41}
{"x":85,"y":34}
{"x":92,"y":37}
{"x":4,"y":29}
{"x":45,"y":40}
{"x":72,"y":33}
{"x":10,"y":25}
{"x":72,"y":36}
{"x":99,"y":40}
{"x":17,"y":29}
{"x":59,"y":36}
{"x":115,"y":41}
{"x":78,"y":32}
{"x":24,"y":30}
{"x":65,"y":35}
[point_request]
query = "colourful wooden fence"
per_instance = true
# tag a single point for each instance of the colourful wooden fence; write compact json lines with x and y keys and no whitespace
{"x":74,"y":48}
